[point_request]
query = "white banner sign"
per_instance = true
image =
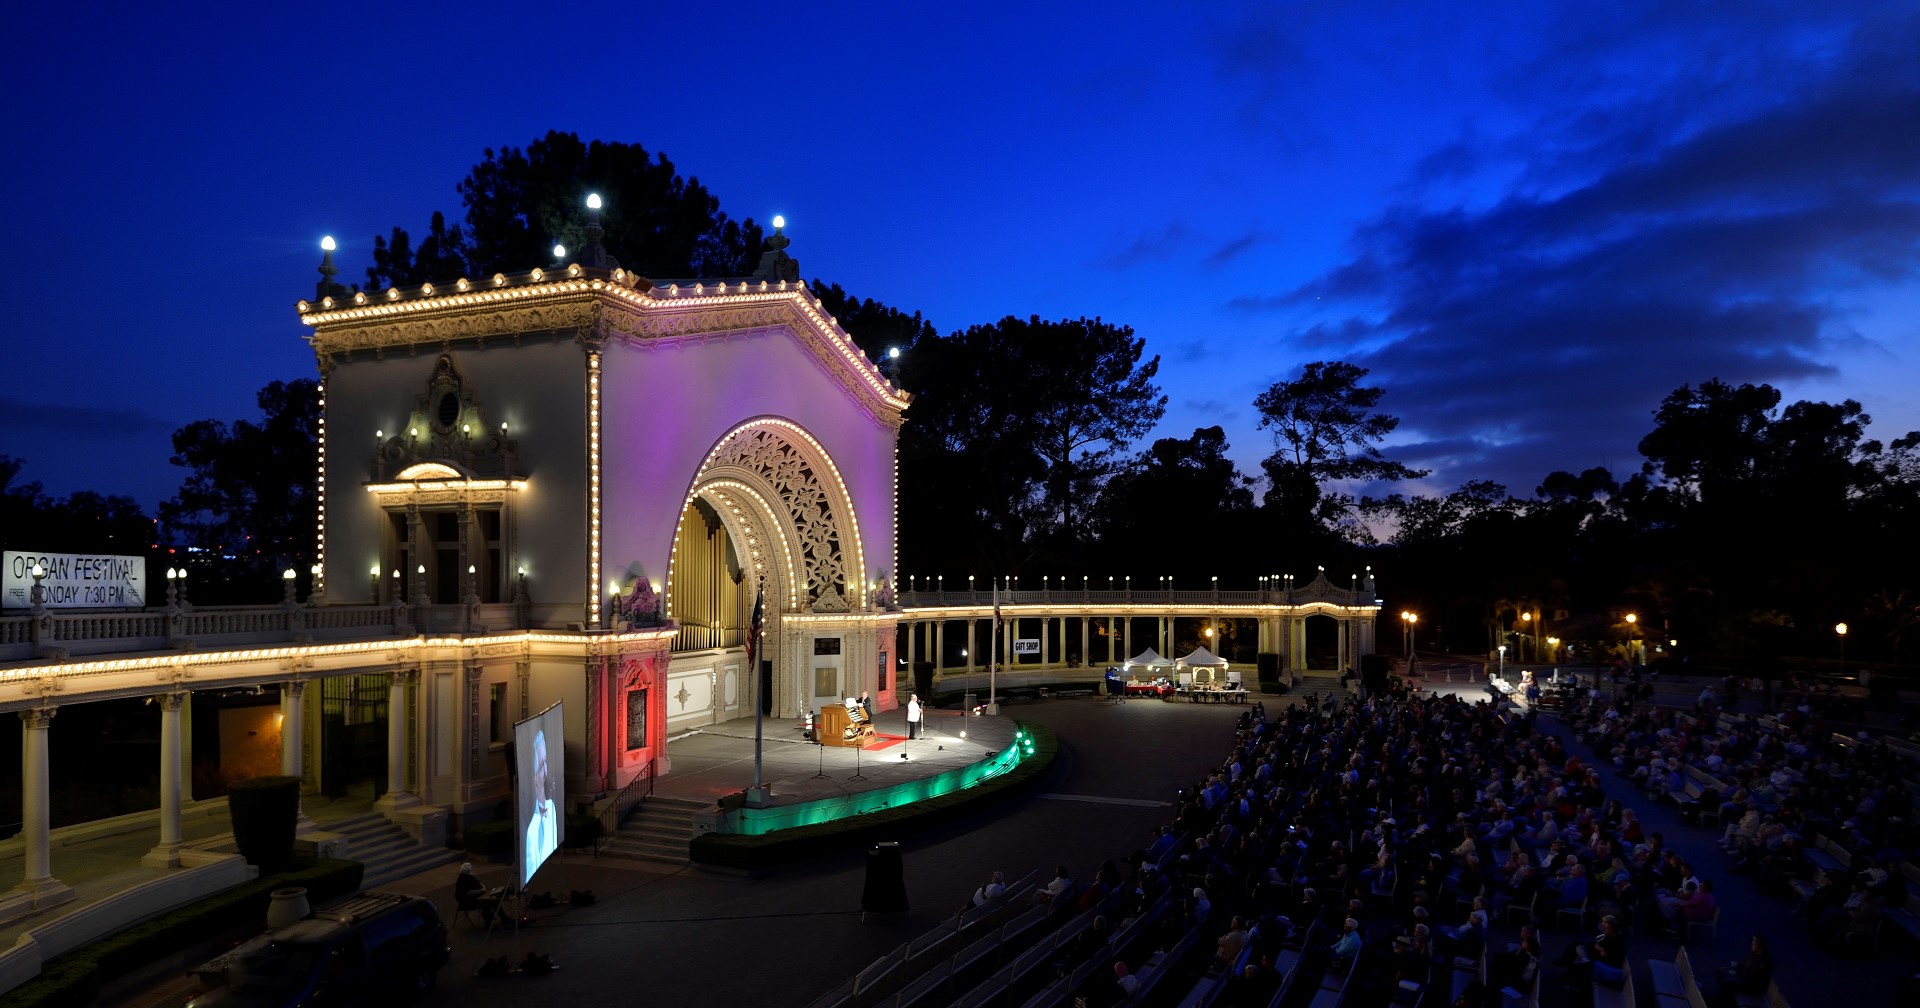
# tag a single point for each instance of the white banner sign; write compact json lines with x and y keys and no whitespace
{"x":74,"y":580}
{"x":1026,"y":646}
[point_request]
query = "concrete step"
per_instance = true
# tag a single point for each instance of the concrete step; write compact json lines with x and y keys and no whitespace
{"x":658,"y":830}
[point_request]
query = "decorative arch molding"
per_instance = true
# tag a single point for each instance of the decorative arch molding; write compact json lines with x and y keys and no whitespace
{"x":806,"y":539}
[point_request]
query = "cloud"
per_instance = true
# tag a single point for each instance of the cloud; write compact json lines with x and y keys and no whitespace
{"x":81,"y":421}
{"x":1233,"y":250}
{"x":1541,"y":331}
{"x":1150,"y":246}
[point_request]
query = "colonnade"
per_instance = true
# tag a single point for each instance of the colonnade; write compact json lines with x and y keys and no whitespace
{"x":926,"y":638}
{"x":39,"y":888}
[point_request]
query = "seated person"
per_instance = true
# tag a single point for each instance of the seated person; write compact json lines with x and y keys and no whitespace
{"x":469,"y":893}
{"x":1349,"y":942}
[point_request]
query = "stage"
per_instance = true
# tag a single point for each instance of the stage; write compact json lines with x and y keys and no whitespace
{"x":814,"y":783}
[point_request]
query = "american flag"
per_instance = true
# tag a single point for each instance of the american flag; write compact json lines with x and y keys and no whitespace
{"x":753,"y":628}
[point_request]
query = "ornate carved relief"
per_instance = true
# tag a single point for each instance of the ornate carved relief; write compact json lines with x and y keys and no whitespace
{"x":812,"y":505}
{"x":448,"y":424}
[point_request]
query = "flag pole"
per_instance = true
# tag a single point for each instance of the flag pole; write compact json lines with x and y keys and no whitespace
{"x":993,"y":656}
{"x":758,"y":796}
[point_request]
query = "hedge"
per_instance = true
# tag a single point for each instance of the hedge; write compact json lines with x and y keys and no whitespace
{"x":766,"y":850}
{"x":74,"y":980}
{"x":489,"y":839}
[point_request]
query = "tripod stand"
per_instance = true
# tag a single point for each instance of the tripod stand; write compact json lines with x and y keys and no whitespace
{"x":856,"y":764}
{"x":821,"y":771}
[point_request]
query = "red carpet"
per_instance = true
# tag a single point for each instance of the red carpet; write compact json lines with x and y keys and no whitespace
{"x":882,"y":740}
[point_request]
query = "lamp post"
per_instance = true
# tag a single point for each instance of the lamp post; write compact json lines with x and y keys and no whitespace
{"x":1633,"y":639}
{"x":1553,"y":650}
{"x":1840,"y":631}
{"x":1526,"y":624}
{"x":1503,"y":661}
{"x":373,"y":585}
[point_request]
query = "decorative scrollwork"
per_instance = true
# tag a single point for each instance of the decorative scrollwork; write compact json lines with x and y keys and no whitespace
{"x":810,"y":502}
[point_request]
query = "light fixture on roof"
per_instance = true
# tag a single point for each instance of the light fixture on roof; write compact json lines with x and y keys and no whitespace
{"x":327,"y":244}
{"x":593,"y":201}
{"x":559,"y":252}
{"x":779,"y":222}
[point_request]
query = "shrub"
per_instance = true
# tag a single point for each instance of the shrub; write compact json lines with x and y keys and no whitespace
{"x":264,"y":810}
{"x":491,"y":839}
{"x":75,"y":979}
{"x":582,"y":830}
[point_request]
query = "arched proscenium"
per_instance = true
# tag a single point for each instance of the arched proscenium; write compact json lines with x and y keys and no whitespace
{"x":796,"y":482}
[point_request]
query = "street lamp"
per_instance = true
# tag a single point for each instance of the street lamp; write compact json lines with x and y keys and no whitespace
{"x":1503,"y":661}
{"x":1633,"y":640}
{"x":1840,"y":631}
{"x":1526,"y":620}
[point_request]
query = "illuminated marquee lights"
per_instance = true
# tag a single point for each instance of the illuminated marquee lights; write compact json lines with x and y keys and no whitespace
{"x":720,"y":488}
{"x":320,"y":495}
{"x":856,"y":555}
{"x":402,"y":648}
{"x":593,"y":489}
{"x":539,"y":285}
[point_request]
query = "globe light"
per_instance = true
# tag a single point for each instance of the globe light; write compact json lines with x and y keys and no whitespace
{"x":779,"y":222}
{"x":593,"y":201}
{"x":326,"y":243}
{"x":559,"y":251}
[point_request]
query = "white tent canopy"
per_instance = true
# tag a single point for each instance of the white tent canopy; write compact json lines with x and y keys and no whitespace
{"x":1202,"y":658}
{"x":1149,"y":660}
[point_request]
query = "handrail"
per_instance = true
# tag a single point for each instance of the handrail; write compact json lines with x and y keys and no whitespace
{"x":615,"y":811}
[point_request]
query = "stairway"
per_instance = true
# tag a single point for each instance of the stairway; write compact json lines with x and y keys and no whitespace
{"x":659,"y":829}
{"x":1319,"y":682}
{"x":388,"y":852}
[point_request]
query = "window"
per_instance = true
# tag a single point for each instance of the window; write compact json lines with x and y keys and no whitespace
{"x":636,"y":719}
{"x":497,"y":707}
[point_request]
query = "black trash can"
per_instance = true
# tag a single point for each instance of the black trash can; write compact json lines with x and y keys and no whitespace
{"x":886,"y":890}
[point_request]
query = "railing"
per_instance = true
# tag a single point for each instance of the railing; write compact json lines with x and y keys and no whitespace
{"x":628,"y":798}
{"x":1137,"y":597}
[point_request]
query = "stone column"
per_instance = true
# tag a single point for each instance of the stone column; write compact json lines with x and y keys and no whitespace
{"x":166,"y":854}
{"x":1086,"y":640}
{"x":398,"y":711}
{"x":939,"y":646}
{"x":1127,"y":630}
{"x":38,"y":888}
{"x":973,"y":648}
{"x":293,"y":723}
{"x":1044,"y":634}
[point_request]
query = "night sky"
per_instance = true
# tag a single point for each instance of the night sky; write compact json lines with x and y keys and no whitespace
{"x":1532,"y":221}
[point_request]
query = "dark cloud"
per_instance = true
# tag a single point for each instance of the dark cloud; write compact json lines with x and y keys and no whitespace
{"x":1233,"y":250}
{"x":80,"y":421}
{"x":1150,"y":246}
{"x":1539,"y":333}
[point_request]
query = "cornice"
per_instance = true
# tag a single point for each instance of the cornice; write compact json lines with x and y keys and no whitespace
{"x":596,"y":310}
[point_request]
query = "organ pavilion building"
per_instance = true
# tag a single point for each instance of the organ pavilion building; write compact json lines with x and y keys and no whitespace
{"x":580,"y":480}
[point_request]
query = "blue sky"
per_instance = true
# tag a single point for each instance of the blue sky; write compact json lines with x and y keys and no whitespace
{"x":1531,"y":221}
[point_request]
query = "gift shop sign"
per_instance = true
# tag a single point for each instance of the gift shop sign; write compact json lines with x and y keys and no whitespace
{"x":74,"y":580}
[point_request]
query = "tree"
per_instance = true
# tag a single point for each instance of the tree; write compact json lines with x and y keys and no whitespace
{"x":521,"y":202}
{"x":250,"y":496}
{"x":1326,"y":428}
{"x":82,"y":522}
{"x":875,"y":327}
{"x":1012,"y":425}
{"x":1180,"y":484}
{"x":1088,"y":395}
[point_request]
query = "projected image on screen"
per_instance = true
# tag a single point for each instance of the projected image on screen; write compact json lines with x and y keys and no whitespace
{"x":539,"y":746}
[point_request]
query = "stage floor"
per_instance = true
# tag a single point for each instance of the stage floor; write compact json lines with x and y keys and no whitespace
{"x":712,"y":762}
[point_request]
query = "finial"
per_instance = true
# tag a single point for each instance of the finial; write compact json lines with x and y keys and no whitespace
{"x":775,"y":263}
{"x":595,"y":256}
{"x":326,"y":287}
